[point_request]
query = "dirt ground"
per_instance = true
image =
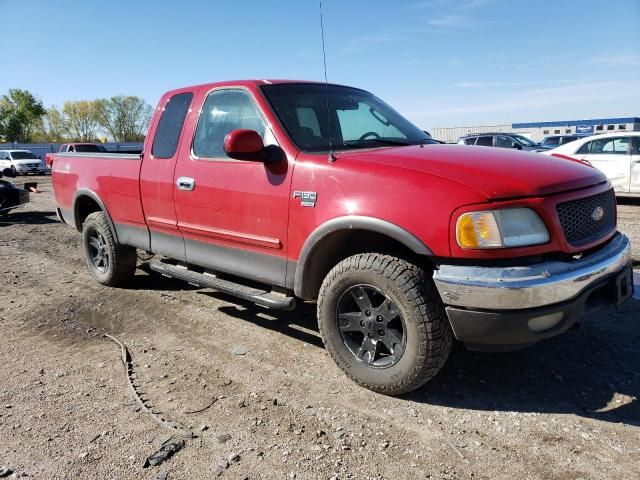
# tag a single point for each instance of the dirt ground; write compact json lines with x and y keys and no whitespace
{"x":566,"y":408}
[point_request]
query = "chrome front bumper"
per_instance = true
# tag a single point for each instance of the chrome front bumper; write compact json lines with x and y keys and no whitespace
{"x":531,"y":286}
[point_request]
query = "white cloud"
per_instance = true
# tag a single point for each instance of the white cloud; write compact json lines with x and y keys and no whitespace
{"x":450,"y":21}
{"x":571,"y":100}
{"x":616,"y":60}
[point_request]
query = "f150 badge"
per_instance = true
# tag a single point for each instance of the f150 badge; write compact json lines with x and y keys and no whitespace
{"x":307,"y":199}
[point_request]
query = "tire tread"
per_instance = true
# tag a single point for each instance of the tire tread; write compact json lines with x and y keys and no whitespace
{"x":420,"y":291}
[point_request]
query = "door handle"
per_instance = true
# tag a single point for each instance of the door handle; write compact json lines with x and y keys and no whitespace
{"x":185,"y":183}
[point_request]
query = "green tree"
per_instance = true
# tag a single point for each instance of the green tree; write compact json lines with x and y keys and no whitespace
{"x":20,"y":114}
{"x":126,"y":118}
{"x":81,"y":119}
{"x":54,"y":127}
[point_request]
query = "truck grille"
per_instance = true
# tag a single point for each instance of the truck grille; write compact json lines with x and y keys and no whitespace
{"x":579,"y":218}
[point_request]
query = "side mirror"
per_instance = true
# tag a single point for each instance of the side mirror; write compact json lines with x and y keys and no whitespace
{"x":8,"y":172}
{"x":244,"y":145}
{"x":517,"y":147}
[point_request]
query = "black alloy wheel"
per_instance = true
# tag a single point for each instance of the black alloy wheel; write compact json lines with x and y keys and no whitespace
{"x":98,"y":251}
{"x":371,"y":326}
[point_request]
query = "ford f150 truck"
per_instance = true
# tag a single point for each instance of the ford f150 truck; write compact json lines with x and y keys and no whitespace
{"x":277,"y":190}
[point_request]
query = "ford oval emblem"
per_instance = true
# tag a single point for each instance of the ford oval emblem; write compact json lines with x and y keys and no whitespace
{"x":597,"y":214}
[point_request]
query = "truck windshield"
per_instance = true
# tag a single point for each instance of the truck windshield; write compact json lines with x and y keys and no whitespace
{"x":23,"y":156}
{"x":356,"y":119}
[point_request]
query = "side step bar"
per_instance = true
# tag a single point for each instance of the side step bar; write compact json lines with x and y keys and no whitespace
{"x":204,"y":280}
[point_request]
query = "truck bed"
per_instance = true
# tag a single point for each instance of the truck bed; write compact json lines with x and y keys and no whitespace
{"x":111,"y":177}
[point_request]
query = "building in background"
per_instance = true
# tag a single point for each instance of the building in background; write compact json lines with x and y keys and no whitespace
{"x":536,"y":131}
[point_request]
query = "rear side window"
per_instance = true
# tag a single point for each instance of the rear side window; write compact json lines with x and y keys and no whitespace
{"x":470,"y":141}
{"x":485,"y":141}
{"x":585,"y":148}
{"x":170,"y":125}
{"x":606,"y":146}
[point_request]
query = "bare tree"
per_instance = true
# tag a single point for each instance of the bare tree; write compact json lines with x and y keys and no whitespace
{"x":126,"y":118}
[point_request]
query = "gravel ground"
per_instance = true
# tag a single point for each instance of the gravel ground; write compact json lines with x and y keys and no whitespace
{"x":268,"y":401}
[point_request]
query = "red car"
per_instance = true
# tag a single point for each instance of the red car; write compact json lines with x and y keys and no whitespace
{"x":277,"y":190}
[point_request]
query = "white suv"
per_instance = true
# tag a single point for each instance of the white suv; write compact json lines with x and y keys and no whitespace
{"x":21,"y":162}
{"x":617,"y":155}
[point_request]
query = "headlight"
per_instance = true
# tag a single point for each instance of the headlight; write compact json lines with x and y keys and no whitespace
{"x":510,"y":227}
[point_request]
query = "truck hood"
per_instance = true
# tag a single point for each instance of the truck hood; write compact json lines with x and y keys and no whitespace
{"x":496,"y":173}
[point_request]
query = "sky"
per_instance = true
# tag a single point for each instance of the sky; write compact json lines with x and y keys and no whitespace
{"x":439,"y":62}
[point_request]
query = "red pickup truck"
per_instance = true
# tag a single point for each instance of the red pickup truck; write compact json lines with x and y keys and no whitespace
{"x":276,"y":190}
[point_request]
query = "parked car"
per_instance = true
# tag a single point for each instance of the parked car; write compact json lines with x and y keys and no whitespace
{"x":617,"y":155}
{"x":21,"y":162}
{"x":553,"y":141}
{"x":11,"y":196}
{"x":502,"y":140}
{"x":404,"y":244}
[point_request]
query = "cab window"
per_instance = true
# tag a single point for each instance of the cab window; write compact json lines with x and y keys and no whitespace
{"x":224,"y":111}
{"x":485,"y":141}
{"x":504,"y":142}
{"x":167,"y":136}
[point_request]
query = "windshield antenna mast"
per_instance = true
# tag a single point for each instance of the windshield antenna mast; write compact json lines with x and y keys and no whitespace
{"x":332,"y":157}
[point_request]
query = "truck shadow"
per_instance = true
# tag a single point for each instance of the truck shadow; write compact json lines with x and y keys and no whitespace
{"x":28,"y":217}
{"x":592,"y":373}
{"x":300,"y":323}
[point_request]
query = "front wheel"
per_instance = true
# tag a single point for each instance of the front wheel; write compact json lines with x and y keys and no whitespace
{"x":383,"y":323}
{"x":109,"y":262}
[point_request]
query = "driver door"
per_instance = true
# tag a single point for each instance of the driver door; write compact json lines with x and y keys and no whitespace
{"x":233,"y":214}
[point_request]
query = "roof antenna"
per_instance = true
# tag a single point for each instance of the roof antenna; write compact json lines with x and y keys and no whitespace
{"x":332,"y":157}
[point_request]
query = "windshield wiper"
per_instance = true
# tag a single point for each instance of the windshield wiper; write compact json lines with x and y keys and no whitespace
{"x":384,"y":141}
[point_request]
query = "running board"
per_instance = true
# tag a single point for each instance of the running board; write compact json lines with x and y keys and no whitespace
{"x":205,"y":280}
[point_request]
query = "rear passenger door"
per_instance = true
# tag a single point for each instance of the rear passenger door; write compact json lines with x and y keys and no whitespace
{"x":156,"y":176}
{"x":612,"y":156}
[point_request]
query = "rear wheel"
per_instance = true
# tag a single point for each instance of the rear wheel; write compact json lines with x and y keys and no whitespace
{"x":383,"y":322}
{"x":109,"y":262}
